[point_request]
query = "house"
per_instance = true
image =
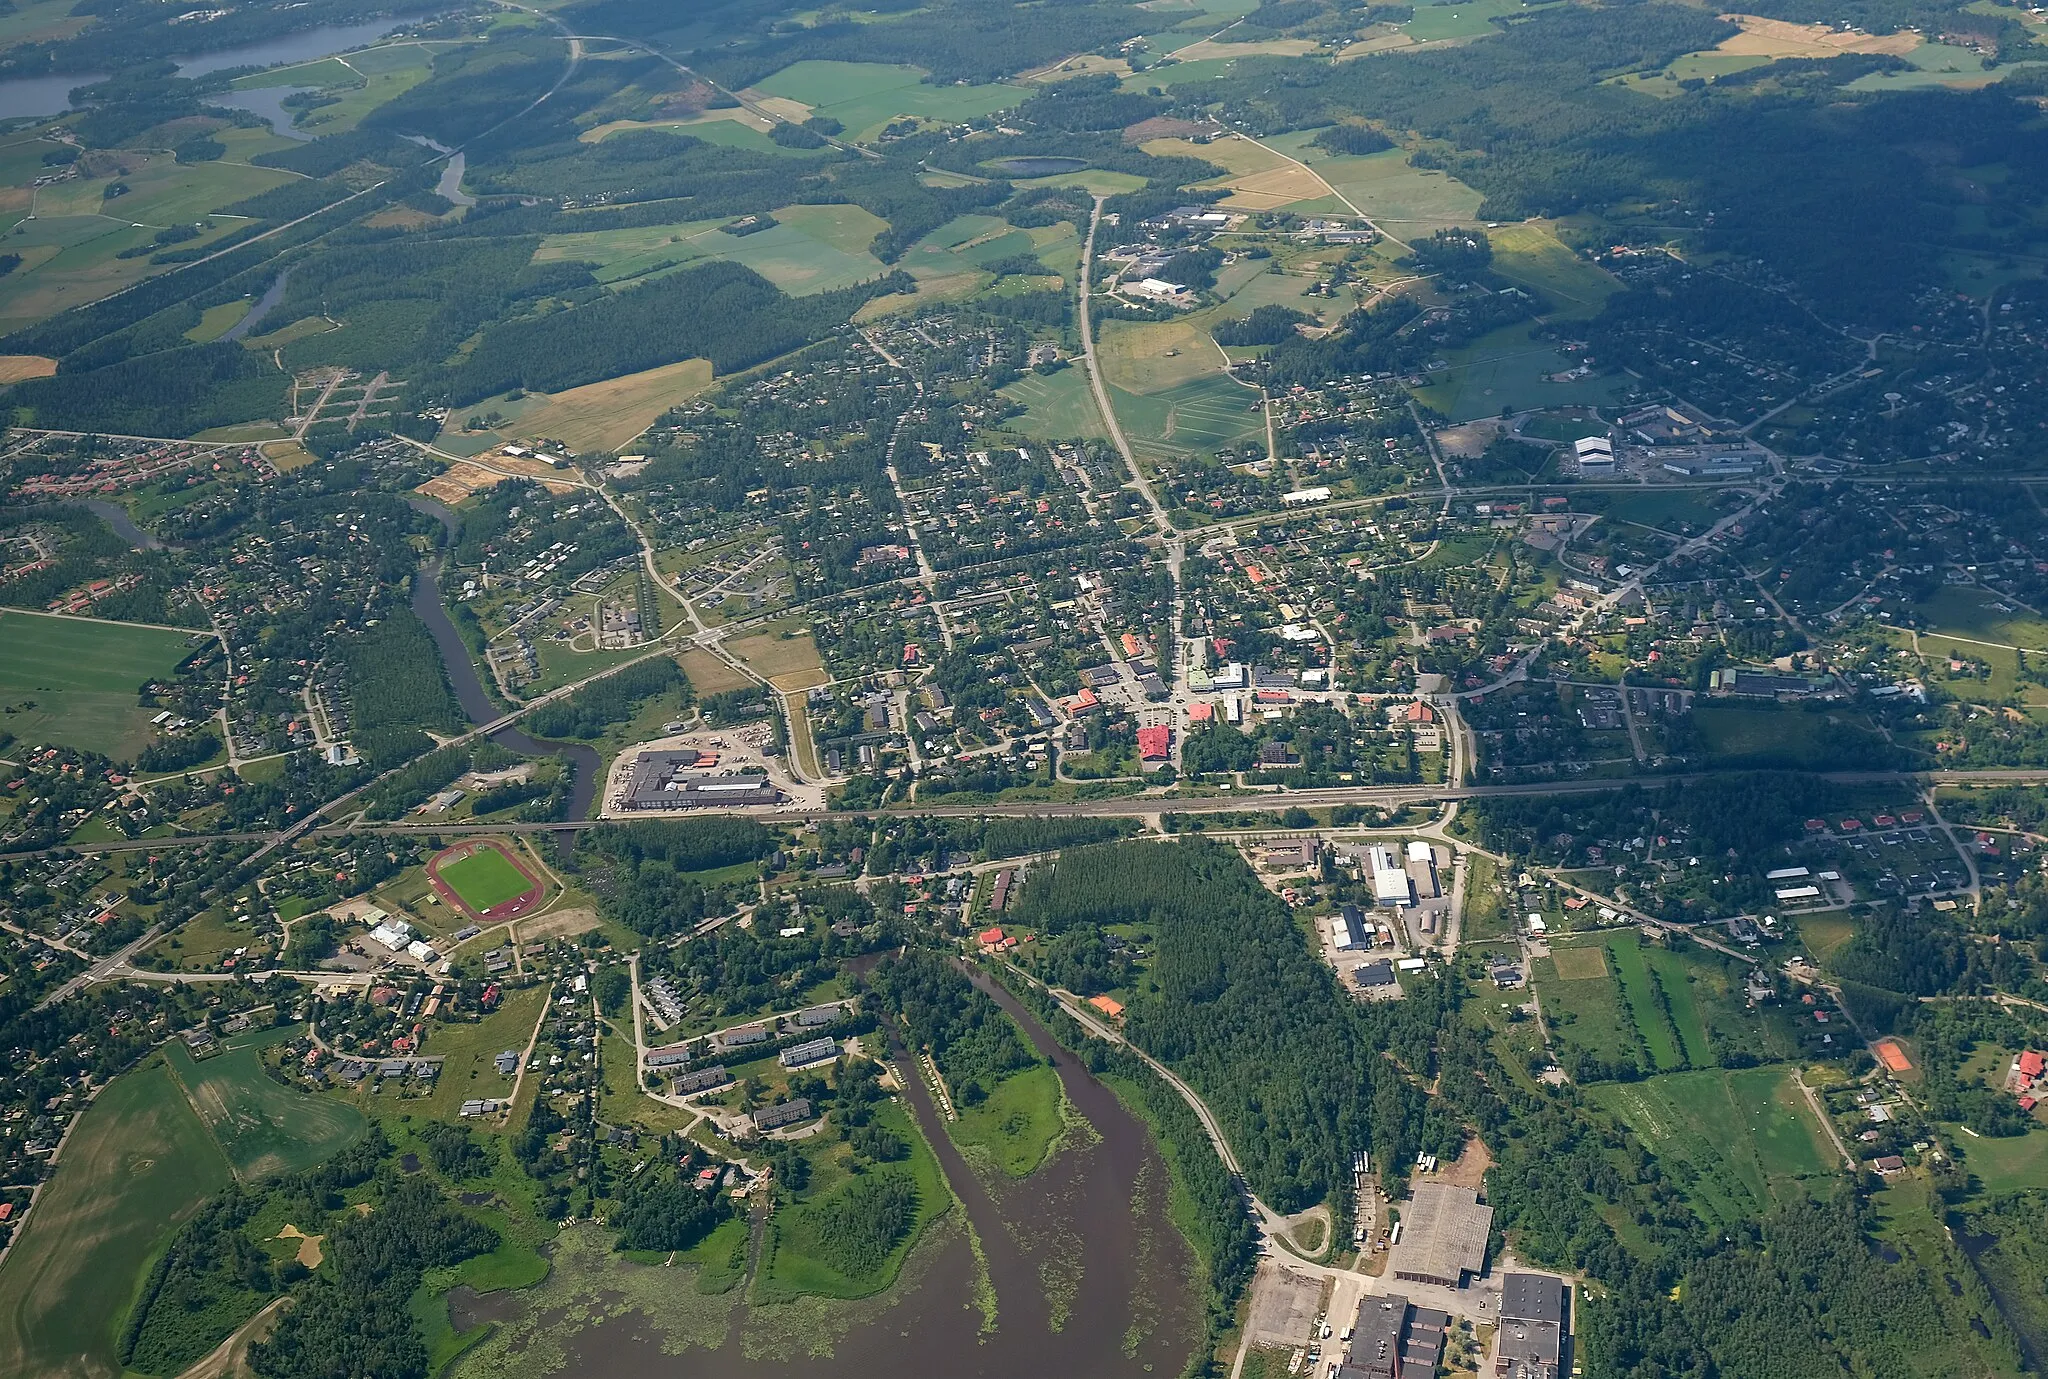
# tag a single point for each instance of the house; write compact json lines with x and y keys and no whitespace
{"x":1888,"y":1164}
{"x":2031,"y":1064}
{"x":1109,"y":1006}
{"x":507,"y":1062}
{"x":1154,"y":743}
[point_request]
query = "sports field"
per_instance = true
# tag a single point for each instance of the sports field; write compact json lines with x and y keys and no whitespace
{"x":75,"y":681}
{"x":137,"y":1166}
{"x":482,"y":877}
{"x":264,"y":1127}
{"x":1749,"y":1136}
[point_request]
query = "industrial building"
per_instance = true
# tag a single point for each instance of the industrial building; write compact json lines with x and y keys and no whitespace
{"x":1533,"y":1325}
{"x":667,"y":780}
{"x":1595,"y":455}
{"x":1389,"y":879}
{"x":1444,"y":1236}
{"x":1394,"y":1339}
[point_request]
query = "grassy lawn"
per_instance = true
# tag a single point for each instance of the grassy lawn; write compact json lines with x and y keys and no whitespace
{"x":1747,"y":1136}
{"x":1824,"y":934}
{"x":1632,"y":969}
{"x":864,"y":96}
{"x":1487,"y":914}
{"x":2004,"y":1164}
{"x":1507,"y":369}
{"x":263,"y":1127}
{"x":1058,"y":406}
{"x":1532,"y":255}
{"x":1765,"y":735}
{"x":1677,"y":975}
{"x":1584,"y":1009}
{"x":1663,"y":508}
{"x":1979,"y":613}
{"x":790,"y":1266}
{"x":138,"y":1165}
{"x":1018,"y":1124}
{"x":485,"y":878}
{"x":466,"y":1052}
{"x":73,"y":681}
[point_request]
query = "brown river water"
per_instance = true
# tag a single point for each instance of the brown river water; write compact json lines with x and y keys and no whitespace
{"x":1091,"y":1279}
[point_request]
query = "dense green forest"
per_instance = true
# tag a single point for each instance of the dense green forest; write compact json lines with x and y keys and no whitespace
{"x":397,"y":689}
{"x":612,"y":700}
{"x":975,"y":1044}
{"x":641,"y":872}
{"x":1237,"y":1004}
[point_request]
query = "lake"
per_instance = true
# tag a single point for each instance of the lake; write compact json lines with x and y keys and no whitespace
{"x":268,"y":103}
{"x":21,"y":97}
{"x":1091,"y":1280}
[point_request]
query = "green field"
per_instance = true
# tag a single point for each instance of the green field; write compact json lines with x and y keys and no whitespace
{"x":137,"y":1166}
{"x":1507,"y":369}
{"x":1965,"y":612}
{"x":484,"y":879}
{"x":1664,"y":508}
{"x":810,"y":249}
{"x":1748,"y":1137}
{"x":865,"y":96}
{"x":1059,"y":406}
{"x":365,"y":81}
{"x":2007,"y":1163}
{"x":264,"y":1127}
{"x":1407,"y":201}
{"x":1199,"y":415}
{"x":1676,"y":974}
{"x":1019,"y":1123}
{"x":1458,"y":19}
{"x":76,"y":682}
{"x":1768,"y":736}
{"x":1626,"y":956}
{"x":789,"y":1267}
{"x":1532,"y":255}
{"x":1585,"y":1010}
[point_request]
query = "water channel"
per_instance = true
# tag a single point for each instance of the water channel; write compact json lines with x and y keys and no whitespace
{"x":477,"y":704}
{"x":1091,"y":1280}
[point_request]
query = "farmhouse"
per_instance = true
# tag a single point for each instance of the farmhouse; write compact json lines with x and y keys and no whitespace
{"x":1445,"y":1237}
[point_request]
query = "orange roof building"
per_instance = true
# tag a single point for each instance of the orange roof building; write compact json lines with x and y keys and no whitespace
{"x":1114,"y":1009}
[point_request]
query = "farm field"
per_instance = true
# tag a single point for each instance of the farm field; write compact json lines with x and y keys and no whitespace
{"x":1406,"y":202}
{"x":786,"y":662}
{"x":1259,"y":179}
{"x":136,"y":1167}
{"x":1532,"y":255}
{"x":1582,"y":1003}
{"x":865,"y":96}
{"x":1202,"y":415}
{"x":263,"y":1127}
{"x":1459,"y":19}
{"x":1967,"y":612}
{"x":1748,"y":1136}
{"x":76,"y":681}
{"x":1058,"y":406}
{"x":365,"y":81}
{"x":708,"y":675}
{"x":1632,"y":969}
{"x":486,"y":878}
{"x":811,"y":248}
{"x":607,"y":415}
{"x":1765,"y":736}
{"x":70,"y":246}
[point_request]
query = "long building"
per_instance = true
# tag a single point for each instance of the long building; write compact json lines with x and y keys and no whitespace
{"x":1394,"y":1339}
{"x":1444,"y":1233}
{"x":669,"y":780}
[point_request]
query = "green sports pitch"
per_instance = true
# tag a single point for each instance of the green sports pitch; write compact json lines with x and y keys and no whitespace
{"x":483,"y":879}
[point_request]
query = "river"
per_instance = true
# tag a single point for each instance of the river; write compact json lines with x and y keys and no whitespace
{"x":1091,"y":1280}
{"x":477,"y":705}
{"x":272,"y":295}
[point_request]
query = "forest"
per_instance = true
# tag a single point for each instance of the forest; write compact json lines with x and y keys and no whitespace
{"x":397,"y":689}
{"x":604,"y":703}
{"x":975,"y":1044}
{"x":641,"y":872}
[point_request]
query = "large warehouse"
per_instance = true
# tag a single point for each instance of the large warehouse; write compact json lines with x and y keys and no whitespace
{"x":665,"y":780}
{"x":1443,"y":1235}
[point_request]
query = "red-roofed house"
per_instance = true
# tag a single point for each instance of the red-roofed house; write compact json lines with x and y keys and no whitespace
{"x":991,"y":937}
{"x":1154,"y":743}
{"x":1419,"y":712}
{"x":2031,"y":1063}
{"x":1109,"y":1006}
